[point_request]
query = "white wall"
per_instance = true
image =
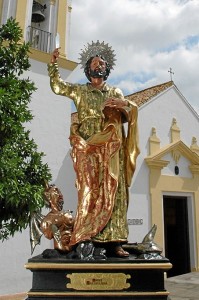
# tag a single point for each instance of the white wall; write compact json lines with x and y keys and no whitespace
{"x":50,"y":130}
{"x":14,"y":253}
{"x":158,"y":113}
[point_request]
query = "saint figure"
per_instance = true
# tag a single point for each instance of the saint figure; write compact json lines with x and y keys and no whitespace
{"x":104,"y":155}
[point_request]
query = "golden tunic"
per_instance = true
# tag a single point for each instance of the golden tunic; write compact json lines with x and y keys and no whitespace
{"x":103,"y":157}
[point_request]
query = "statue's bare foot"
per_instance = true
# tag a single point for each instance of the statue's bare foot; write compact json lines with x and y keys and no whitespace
{"x":120,"y":252}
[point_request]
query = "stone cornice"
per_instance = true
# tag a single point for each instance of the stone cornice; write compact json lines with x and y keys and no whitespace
{"x":156,"y":164}
{"x":178,"y":146}
{"x":45,"y":58}
{"x":194,"y":169}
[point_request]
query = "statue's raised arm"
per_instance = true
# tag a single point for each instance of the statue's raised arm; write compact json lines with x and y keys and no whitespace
{"x":104,"y":157}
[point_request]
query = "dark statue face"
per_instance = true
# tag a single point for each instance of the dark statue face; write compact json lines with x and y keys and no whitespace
{"x":97,"y":67}
{"x":56,"y":198}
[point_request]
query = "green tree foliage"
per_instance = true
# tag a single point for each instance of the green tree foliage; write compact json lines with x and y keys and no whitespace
{"x":22,"y":172}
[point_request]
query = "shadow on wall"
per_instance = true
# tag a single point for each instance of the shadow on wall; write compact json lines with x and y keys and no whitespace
{"x":140,"y":179}
{"x":65,"y":181}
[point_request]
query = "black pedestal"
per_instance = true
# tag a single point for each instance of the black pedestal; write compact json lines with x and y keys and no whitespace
{"x":113,"y":278}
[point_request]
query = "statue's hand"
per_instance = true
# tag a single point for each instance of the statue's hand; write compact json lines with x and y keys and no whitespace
{"x":55,"y":55}
{"x":54,"y":228}
{"x":115,"y":103}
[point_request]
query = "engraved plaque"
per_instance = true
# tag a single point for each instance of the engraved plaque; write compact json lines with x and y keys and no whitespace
{"x":98,"y":281}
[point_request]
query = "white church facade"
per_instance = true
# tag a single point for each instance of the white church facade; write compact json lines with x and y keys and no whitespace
{"x":165,"y":189}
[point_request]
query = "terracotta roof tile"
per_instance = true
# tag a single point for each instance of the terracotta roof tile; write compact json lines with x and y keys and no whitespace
{"x":144,"y":96}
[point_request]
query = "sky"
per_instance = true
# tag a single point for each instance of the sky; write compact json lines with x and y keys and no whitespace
{"x":148,"y":36}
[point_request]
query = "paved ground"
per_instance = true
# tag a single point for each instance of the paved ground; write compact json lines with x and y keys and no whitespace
{"x":183,"y":287}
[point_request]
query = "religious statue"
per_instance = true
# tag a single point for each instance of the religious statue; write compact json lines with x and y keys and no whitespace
{"x":57,"y":224}
{"x":104,"y":156}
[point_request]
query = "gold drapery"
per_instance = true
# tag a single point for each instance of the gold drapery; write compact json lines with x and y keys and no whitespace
{"x":104,"y":160}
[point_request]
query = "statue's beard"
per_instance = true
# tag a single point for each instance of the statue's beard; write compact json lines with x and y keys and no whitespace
{"x":97,"y":73}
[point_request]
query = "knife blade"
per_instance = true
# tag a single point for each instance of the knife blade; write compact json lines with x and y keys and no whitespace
{"x":57,"y":41}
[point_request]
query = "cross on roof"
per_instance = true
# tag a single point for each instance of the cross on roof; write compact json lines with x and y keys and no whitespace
{"x":170,"y":71}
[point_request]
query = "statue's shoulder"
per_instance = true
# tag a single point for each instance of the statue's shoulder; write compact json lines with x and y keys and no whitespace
{"x":80,"y":86}
{"x":117,"y":91}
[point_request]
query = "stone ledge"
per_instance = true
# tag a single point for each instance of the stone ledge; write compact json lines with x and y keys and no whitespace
{"x":18,"y":296}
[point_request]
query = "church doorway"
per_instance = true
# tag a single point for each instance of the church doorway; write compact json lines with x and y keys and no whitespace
{"x":176,"y":234}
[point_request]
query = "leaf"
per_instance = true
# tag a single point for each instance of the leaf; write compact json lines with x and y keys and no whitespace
{"x":22,"y":171}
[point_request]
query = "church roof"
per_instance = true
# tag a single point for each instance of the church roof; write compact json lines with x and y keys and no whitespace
{"x":144,"y":96}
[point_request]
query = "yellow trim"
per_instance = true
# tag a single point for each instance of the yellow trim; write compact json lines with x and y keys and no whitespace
{"x":159,"y":293}
{"x":175,"y":146}
{"x":45,"y":58}
{"x":196,"y":206}
{"x":1,"y":10}
{"x":157,"y":164}
{"x":154,"y":142}
{"x":21,"y":13}
{"x":175,"y":131}
{"x":61,"y":25}
{"x":161,"y":184}
{"x":97,"y":266}
{"x":194,"y":169}
{"x":194,"y":146}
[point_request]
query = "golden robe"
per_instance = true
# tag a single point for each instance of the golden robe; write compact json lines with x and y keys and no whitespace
{"x":104,"y":159}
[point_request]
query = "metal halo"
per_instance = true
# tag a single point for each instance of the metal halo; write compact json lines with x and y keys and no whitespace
{"x":97,"y":48}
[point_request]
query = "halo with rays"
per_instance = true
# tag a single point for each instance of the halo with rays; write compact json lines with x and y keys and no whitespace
{"x":97,"y":48}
